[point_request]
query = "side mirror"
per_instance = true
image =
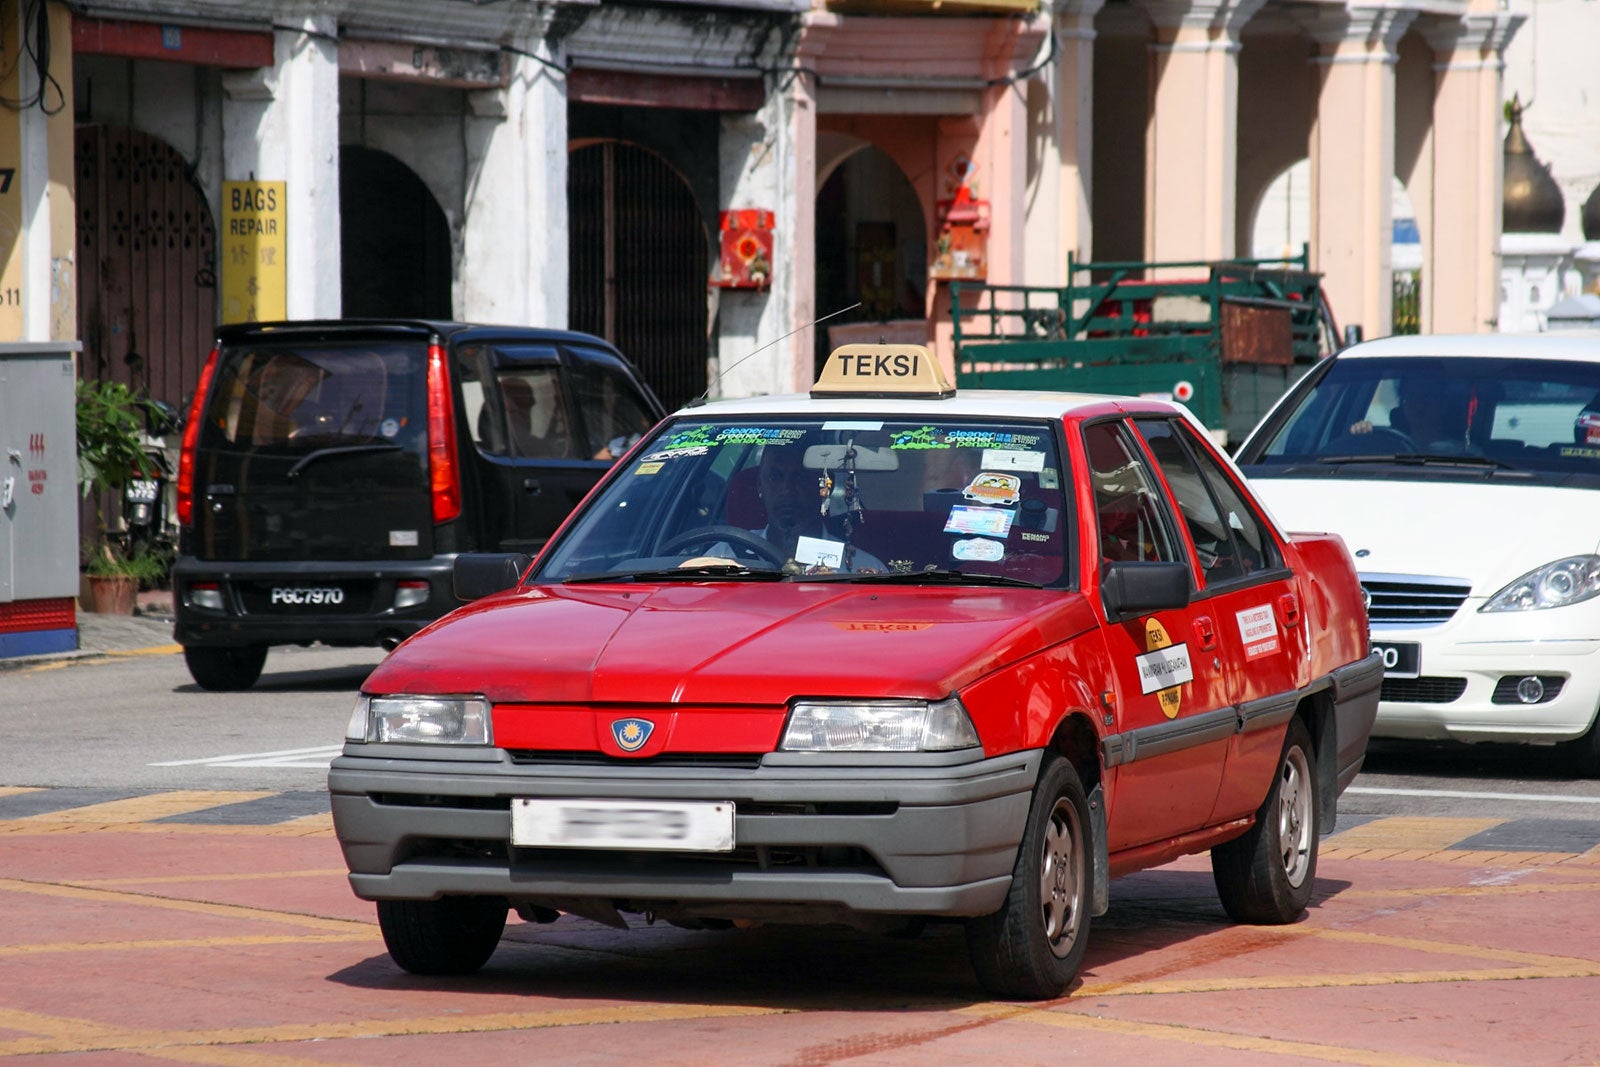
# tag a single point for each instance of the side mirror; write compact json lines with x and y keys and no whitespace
{"x":1133,"y":588}
{"x":480,"y":574}
{"x":161,"y":418}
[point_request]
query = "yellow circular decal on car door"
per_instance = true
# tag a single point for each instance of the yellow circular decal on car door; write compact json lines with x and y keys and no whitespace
{"x":1164,"y":667}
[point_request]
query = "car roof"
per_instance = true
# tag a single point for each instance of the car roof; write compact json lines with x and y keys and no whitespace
{"x":1581,"y":345}
{"x":967,"y":403}
{"x":458,"y":332}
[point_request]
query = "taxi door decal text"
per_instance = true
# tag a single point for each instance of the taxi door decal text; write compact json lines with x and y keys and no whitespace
{"x":1164,"y":667}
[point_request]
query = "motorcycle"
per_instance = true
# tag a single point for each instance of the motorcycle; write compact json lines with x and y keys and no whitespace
{"x":148,"y":517}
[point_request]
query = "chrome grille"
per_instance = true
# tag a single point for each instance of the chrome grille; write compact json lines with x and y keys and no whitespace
{"x":1412,"y":599}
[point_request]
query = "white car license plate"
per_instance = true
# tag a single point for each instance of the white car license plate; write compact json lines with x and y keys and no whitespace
{"x":677,"y":826}
{"x":1401,"y":659}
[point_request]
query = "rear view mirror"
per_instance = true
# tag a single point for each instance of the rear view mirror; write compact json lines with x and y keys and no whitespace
{"x":480,"y":574}
{"x":830,"y":457}
{"x":1132,"y":588}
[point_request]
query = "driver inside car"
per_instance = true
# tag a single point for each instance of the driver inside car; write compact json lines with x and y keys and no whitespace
{"x":1431,"y":415}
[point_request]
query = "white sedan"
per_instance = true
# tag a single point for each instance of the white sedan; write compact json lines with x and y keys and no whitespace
{"x":1464,"y":474}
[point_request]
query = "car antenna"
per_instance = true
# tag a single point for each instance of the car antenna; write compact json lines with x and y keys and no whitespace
{"x":701,"y":399}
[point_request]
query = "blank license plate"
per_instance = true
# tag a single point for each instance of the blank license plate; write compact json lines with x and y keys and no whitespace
{"x":705,"y":826}
{"x":1401,"y":659}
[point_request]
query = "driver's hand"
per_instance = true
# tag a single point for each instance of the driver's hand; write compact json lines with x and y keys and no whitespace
{"x":1364,"y":426}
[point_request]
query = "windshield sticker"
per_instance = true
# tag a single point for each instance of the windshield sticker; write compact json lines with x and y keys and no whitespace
{"x":389,"y":427}
{"x":695,"y":442}
{"x":757,"y":435}
{"x":1012,"y":459}
{"x":819,"y":552}
{"x":978,"y":548}
{"x":648,"y":468}
{"x":984,"y":522}
{"x":987,"y":488}
{"x":1164,"y":667}
{"x":1577,"y":452}
{"x":930,"y":437}
{"x":1259,"y":630}
{"x":844,"y":424}
{"x":1049,"y":478}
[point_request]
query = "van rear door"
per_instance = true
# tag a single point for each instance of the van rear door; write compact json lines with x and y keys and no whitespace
{"x":315,"y":450}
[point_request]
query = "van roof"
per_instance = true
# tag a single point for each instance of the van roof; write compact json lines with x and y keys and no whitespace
{"x":335,"y":329}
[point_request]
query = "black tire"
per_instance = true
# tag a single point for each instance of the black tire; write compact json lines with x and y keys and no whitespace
{"x":225,"y":670}
{"x":452,"y":935}
{"x":1265,"y":877}
{"x":1032,"y":947}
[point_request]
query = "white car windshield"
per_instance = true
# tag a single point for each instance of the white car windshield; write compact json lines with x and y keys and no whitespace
{"x":770,"y":498}
{"x":1534,"y":419}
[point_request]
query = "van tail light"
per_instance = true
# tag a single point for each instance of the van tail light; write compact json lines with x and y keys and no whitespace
{"x":444,"y":469}
{"x":191,"y":437}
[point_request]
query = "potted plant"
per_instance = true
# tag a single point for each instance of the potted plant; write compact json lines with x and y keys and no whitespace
{"x":110,"y":417}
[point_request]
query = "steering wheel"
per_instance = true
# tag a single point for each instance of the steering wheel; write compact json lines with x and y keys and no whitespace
{"x":1378,"y":440}
{"x":752,"y":544}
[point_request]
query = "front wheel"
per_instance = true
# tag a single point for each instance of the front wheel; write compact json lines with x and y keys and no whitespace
{"x":1266,"y":875}
{"x":1032,"y":947}
{"x":451,"y":935}
{"x":225,"y":670}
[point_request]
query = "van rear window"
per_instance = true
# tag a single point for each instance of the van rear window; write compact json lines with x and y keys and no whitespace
{"x":309,"y":397}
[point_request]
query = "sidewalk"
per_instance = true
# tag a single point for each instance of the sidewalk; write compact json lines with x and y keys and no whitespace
{"x":149,"y":627}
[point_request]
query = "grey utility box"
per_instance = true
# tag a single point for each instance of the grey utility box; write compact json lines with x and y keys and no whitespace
{"x":38,"y":498}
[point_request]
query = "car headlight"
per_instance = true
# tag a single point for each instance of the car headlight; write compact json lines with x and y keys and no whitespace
{"x":432,"y":720}
{"x":1555,"y":585}
{"x":879,"y":726}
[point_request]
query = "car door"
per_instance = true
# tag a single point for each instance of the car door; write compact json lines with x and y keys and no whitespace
{"x":1247,"y":602}
{"x":1173,"y":718}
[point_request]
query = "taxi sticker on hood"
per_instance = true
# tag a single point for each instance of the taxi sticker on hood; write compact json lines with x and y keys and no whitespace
{"x":882,"y":627}
{"x":1259,"y":631}
{"x":1164,"y":667}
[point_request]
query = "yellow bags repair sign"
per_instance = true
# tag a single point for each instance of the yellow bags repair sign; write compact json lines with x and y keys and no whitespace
{"x":254,"y":242}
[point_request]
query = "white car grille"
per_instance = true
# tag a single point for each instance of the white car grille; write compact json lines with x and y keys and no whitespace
{"x":1412,"y":600}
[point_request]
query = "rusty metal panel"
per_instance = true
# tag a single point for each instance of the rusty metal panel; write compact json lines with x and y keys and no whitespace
{"x":633,"y":89}
{"x":1256,"y":333}
{"x":638,"y":264}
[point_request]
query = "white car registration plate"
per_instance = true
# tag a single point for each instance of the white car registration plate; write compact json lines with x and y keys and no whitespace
{"x":1401,"y":659}
{"x":677,"y":826}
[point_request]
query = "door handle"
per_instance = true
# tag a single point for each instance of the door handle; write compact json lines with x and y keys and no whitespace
{"x":532,"y":486}
{"x":1289,"y":608}
{"x":1205,"y":633}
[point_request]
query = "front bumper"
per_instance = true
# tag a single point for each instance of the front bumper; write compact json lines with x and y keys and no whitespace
{"x":1455,"y":697}
{"x":829,"y":836}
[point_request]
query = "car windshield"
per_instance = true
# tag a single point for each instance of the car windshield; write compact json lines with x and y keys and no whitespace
{"x":871,"y":500}
{"x":1531,"y":419}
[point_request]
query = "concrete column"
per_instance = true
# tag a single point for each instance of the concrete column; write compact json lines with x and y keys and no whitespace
{"x":282,"y":124}
{"x":1459,"y":212}
{"x":1191,"y":139}
{"x":1070,"y":196}
{"x":1352,"y":161}
{"x":794,"y":265}
{"x":747,"y":319}
{"x":515,"y":239}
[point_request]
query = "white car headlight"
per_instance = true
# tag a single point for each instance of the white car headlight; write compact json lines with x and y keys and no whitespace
{"x":1555,"y":585}
{"x":879,"y":726}
{"x":432,"y":720}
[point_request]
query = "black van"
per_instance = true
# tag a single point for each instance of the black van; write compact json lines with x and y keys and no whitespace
{"x":332,"y":470}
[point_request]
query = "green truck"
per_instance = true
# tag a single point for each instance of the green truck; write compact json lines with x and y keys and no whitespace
{"x":1225,"y":338}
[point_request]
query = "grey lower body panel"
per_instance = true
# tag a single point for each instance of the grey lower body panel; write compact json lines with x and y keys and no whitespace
{"x":842,"y":837}
{"x":1355,"y":707}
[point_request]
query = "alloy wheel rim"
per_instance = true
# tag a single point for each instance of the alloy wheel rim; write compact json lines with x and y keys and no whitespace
{"x":1060,"y":881}
{"x":1294,"y":817}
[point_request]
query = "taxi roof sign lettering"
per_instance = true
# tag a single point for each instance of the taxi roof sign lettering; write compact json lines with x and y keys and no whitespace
{"x":882,"y":371}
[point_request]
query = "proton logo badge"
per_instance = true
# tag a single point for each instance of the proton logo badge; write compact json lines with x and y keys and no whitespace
{"x":631,"y":734}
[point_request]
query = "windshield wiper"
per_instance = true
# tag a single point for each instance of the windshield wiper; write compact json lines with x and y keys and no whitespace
{"x":699,"y":570}
{"x":343,"y":450}
{"x":1423,"y":459}
{"x":928,"y":577}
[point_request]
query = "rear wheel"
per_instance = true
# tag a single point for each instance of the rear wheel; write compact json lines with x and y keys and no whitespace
{"x":452,"y":935}
{"x":1032,"y":947}
{"x":1266,"y":876}
{"x":225,"y":669}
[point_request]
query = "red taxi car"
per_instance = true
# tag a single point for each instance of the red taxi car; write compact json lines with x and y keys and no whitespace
{"x":876,"y":655}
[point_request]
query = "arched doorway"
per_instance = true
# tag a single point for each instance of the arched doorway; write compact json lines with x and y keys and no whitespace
{"x":638,"y":264}
{"x":147,"y":282}
{"x":394,"y":242}
{"x":871,"y":248}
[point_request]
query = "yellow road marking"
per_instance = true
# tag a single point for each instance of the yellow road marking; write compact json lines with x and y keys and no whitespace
{"x":149,"y":808}
{"x":172,"y":879}
{"x":56,"y":1040}
{"x":1189,"y":1035}
{"x":230,"y":1057}
{"x":13,"y":790}
{"x":230,"y":911}
{"x":293,"y":828}
{"x":1408,"y":832}
{"x":182,"y":942}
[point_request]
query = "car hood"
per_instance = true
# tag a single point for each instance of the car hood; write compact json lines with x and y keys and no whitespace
{"x":728,"y":642}
{"x":1490,"y":533}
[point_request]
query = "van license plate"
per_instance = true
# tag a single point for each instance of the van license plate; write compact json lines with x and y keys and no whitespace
{"x":294,"y":596}
{"x":629,"y":824}
{"x":1401,"y":659}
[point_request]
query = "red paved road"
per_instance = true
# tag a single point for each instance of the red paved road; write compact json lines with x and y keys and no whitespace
{"x":125,"y":941}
